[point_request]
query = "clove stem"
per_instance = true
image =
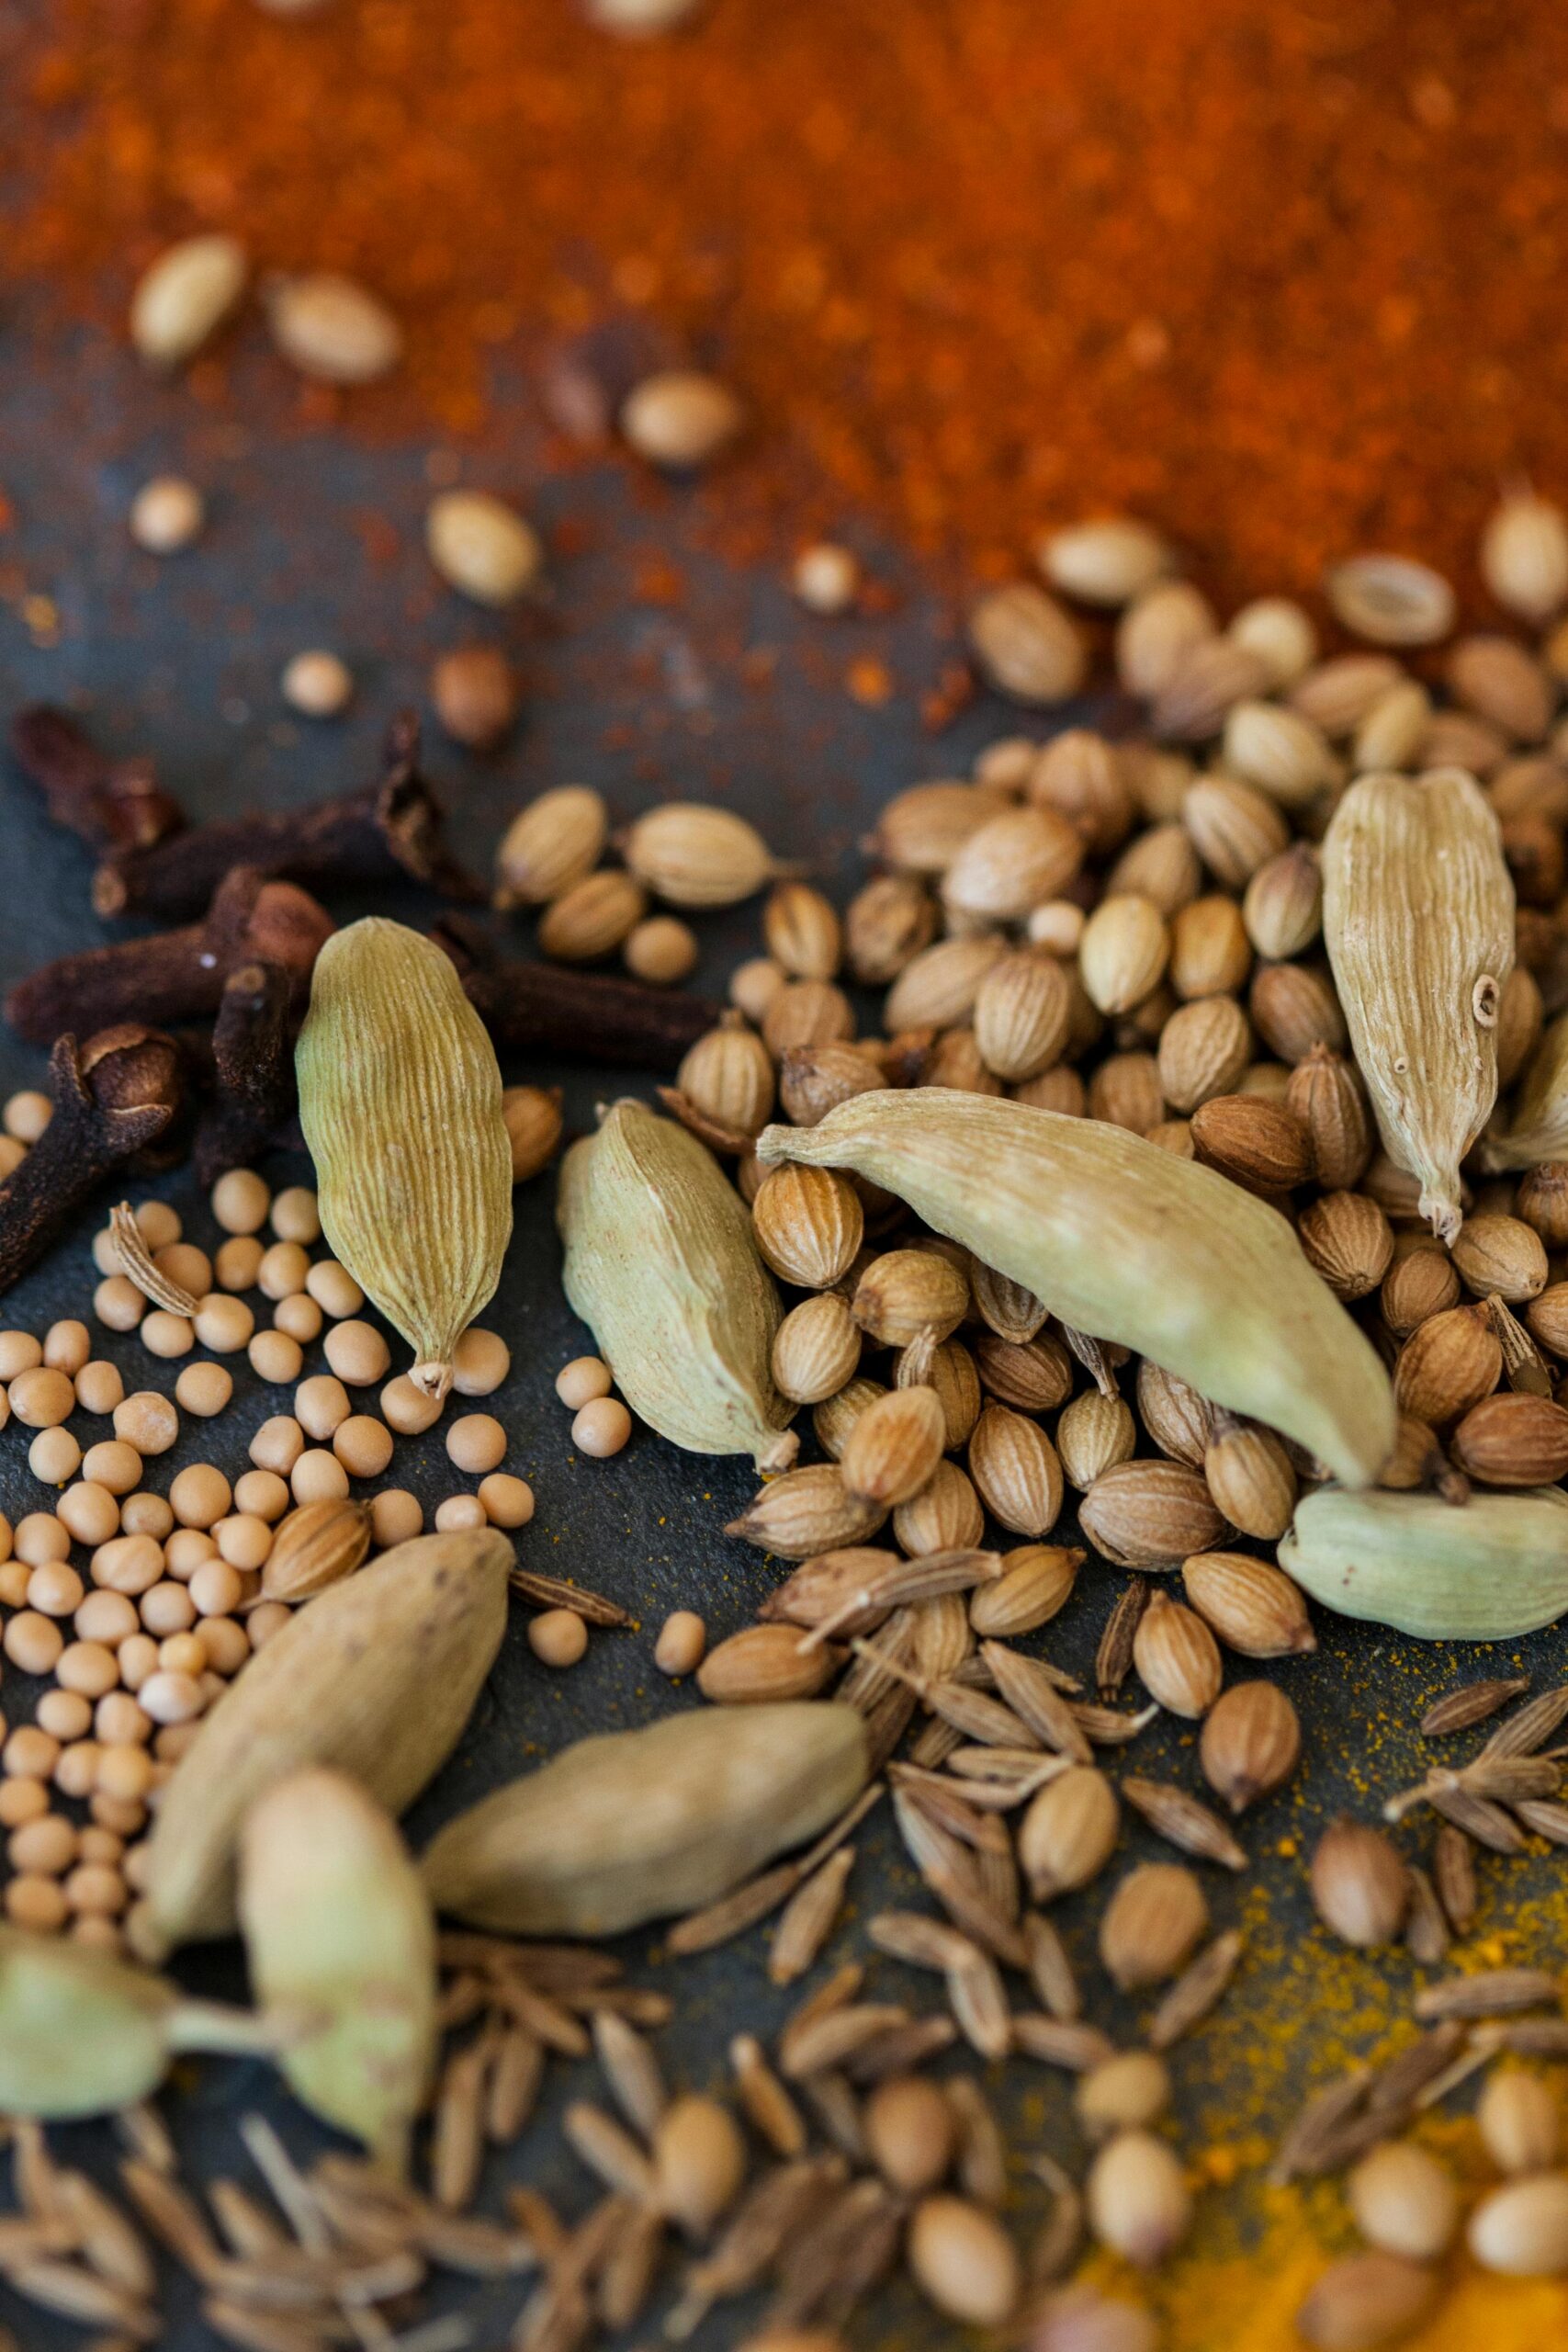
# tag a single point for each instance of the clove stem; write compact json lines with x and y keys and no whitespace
{"x":588,"y":1014}
{"x":113,"y":804}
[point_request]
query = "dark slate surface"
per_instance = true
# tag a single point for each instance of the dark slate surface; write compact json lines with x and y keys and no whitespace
{"x":314,"y":538}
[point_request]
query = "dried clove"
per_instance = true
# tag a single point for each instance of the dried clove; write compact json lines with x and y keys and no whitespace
{"x":253,"y":1105}
{"x":174,"y":975}
{"x":392,"y":830}
{"x":112,"y":1097}
{"x":587,"y":1014}
{"x":112,"y":803}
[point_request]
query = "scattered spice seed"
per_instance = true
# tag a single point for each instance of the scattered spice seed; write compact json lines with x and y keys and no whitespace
{"x":1472,"y":1703}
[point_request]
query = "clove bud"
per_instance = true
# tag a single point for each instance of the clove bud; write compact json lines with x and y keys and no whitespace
{"x":174,"y":975}
{"x":587,"y":1014}
{"x":112,"y":1097}
{"x":112,"y":803}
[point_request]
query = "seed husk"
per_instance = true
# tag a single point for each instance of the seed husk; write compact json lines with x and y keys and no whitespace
{"x":1130,"y":1245}
{"x":1036,"y":1581}
{"x":336,"y":1921}
{"x":1418,"y":912}
{"x":894,"y":1446}
{"x":1518,"y":2117}
{"x":1250,"y":1605}
{"x":806,"y":1512}
{"x":1364,"y":2300}
{"x":1183,"y":1820}
{"x":699,"y":2160}
{"x":660,"y":1263}
{"x":84,"y":2033}
{"x":376,"y":1676}
{"x":1358,"y":1883}
{"x":416,"y":1204}
{"x":1250,"y":1744}
{"x":1149,"y":1514}
{"x":1196,"y":1991}
{"x":552,"y":843}
{"x":765,"y":1662}
{"x":1177,"y":1657}
{"x":637,"y":1826}
{"x":1496,"y":1568}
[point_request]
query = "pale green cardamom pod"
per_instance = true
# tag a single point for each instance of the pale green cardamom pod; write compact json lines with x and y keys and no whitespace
{"x":639,"y":1825}
{"x":1128,"y":1243}
{"x":378,"y":1675}
{"x":1540,"y":1129}
{"x":399,"y":1098}
{"x":1418,"y":915}
{"x":661,"y":1265}
{"x":338,"y":1928}
{"x":1481,"y":1571}
{"x":84,"y":2033}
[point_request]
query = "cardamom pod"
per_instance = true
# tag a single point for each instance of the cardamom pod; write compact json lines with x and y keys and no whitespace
{"x":337,"y":1926}
{"x":638,"y":1825}
{"x":399,"y":1098}
{"x":378,"y":1675}
{"x":84,"y":2033}
{"x":661,"y":1265}
{"x":1482,"y":1571}
{"x":1128,"y":1243}
{"x":1418,"y":915}
{"x":1540,"y":1129}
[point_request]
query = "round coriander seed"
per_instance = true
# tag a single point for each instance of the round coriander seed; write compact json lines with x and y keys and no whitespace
{"x":278,"y":1444}
{"x":168,"y":514}
{"x":508,"y":1501}
{"x":261,"y":1494}
{"x":582,"y":1380}
{"x":319,"y":1477}
{"x":363,"y":1444}
{"x":146,"y":1420}
{"x":296,"y":1216}
{"x":660,"y":950}
{"x":460,"y":1511}
{"x":241,"y":1199}
{"x":99,"y":1387}
{"x":163,"y":1334}
{"x":357,"y":1353}
{"x":476,"y":1442}
{"x":396,"y":1517}
{"x":275,"y":1357}
{"x":27,"y":1114}
{"x":224,"y":1324}
{"x":238,"y":1262}
{"x":298,"y":1317}
{"x":317,"y":685}
{"x":602,"y":1428}
{"x":557,"y":1637}
{"x":204,"y":1389}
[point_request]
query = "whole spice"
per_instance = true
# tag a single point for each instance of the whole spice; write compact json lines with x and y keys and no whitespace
{"x":1129,"y":1244}
{"x":1404,"y":2200}
{"x":392,"y":830}
{"x":964,"y":2261}
{"x":661,"y":1264}
{"x":636,"y":1826}
{"x":1494,"y":1567}
{"x":399,"y":1098}
{"x":1138,"y":2203}
{"x":591,"y":1015}
{"x":1152,"y":1925}
{"x":695,"y":855}
{"x":85,"y":2033}
{"x":337,"y":1924}
{"x":112,"y":803}
{"x":1252,"y":1608}
{"x":1250,"y":1744}
{"x":1418,"y":914}
{"x":553,"y":842}
{"x":183,"y":298}
{"x":1364,"y":2300}
{"x":376,"y":1676}
{"x":1358,"y":1883}
{"x":113,"y":1097}
{"x":1521,"y":2228}
{"x":175,"y":975}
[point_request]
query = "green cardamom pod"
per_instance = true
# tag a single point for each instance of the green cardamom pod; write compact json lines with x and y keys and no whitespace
{"x":638,"y":1825}
{"x":662,"y":1266}
{"x":378,"y":1675}
{"x":399,"y":1098}
{"x":1127,"y":1243}
{"x":1418,"y":915}
{"x":1540,"y":1129}
{"x":338,"y":1928}
{"x":83,"y":2033}
{"x":1482,"y":1571}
